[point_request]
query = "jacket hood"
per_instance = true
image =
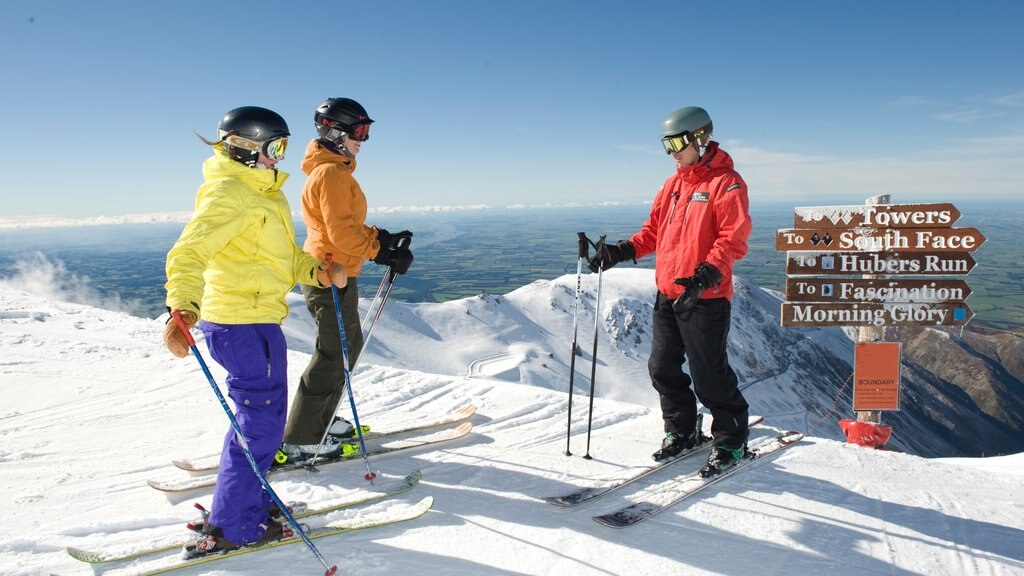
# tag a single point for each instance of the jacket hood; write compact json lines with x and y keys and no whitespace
{"x":220,"y":165}
{"x":715,"y":159}
{"x":317,"y":155}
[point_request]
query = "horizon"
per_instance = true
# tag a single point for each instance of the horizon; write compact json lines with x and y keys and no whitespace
{"x":13,"y":223}
{"x":518,"y":103}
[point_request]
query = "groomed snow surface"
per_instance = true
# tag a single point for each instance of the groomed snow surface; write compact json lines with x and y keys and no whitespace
{"x":93,"y":406}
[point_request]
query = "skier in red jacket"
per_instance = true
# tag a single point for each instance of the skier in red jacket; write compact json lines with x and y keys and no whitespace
{"x":699,"y":225}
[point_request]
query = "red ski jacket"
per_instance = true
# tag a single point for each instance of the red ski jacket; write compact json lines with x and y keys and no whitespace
{"x":701,"y":214}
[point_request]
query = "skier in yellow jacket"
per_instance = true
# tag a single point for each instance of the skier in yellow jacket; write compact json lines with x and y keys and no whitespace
{"x":334,"y":210}
{"x":232,"y":266}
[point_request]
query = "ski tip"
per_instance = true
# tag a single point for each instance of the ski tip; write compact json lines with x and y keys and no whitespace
{"x":612,"y":521}
{"x":790,"y":436}
{"x":82,"y":555}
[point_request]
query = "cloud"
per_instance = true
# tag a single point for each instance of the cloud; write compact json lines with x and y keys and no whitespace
{"x":910,"y":102}
{"x":984,"y":167}
{"x":40,"y":276}
{"x":968,"y":115}
{"x":1010,"y":99}
{"x":62,"y":221}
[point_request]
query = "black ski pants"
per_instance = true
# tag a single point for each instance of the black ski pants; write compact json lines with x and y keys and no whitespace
{"x":698,"y":336}
{"x":323,"y":381}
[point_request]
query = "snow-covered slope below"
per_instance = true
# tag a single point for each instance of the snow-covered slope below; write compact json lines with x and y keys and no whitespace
{"x":94,"y":406}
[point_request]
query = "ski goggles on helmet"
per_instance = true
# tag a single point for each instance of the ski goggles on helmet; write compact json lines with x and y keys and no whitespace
{"x":360,"y":132}
{"x":273,"y":148}
{"x":679,"y":142}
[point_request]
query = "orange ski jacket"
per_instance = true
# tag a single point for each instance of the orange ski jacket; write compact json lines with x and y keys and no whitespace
{"x":334,"y":210}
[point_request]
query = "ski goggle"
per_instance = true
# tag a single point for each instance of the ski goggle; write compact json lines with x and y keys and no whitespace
{"x":360,"y":132}
{"x":679,"y":142}
{"x":273,"y":148}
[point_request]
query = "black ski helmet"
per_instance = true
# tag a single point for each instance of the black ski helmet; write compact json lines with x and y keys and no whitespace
{"x":338,"y":117}
{"x":256,"y":126}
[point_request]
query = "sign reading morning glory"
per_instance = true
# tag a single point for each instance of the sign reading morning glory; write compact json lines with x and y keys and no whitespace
{"x":857,"y":250}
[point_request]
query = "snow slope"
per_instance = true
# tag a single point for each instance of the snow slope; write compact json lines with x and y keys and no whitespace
{"x":93,"y":406}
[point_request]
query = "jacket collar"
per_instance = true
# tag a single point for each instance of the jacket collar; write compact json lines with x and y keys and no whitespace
{"x":317,"y":155}
{"x":220,"y":165}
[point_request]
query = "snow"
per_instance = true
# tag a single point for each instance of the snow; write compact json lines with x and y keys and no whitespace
{"x":94,"y":406}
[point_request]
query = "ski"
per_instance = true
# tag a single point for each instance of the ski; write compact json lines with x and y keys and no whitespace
{"x":194,"y":482}
{"x":466,"y":412}
{"x":383,"y":491}
{"x":587,"y":494}
{"x":665,"y":495}
{"x":372,"y":519}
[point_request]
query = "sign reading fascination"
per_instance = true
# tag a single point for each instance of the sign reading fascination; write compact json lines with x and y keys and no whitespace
{"x":877,"y":241}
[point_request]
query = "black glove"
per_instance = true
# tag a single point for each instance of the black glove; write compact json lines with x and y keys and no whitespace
{"x":388,"y":240}
{"x":612,"y":254}
{"x":704,"y":276}
{"x":384,"y":237}
{"x":400,"y":259}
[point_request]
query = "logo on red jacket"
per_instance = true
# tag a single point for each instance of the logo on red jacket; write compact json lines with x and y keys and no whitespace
{"x":700,"y":196}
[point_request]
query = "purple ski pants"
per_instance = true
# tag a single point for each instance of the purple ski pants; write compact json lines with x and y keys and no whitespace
{"x":255,"y":357}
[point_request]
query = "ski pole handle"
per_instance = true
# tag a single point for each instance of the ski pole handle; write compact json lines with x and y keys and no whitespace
{"x":184,"y":329}
{"x":584,"y":249}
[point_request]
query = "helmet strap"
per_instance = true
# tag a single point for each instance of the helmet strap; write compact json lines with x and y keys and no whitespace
{"x":702,"y":147}
{"x":333,"y":139}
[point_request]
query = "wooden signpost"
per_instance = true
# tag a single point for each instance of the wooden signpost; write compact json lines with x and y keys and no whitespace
{"x":872,"y":266}
{"x":857,"y":249}
{"x":880,"y":263}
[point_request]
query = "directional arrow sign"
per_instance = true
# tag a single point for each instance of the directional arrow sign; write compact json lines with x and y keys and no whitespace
{"x":877,"y":216}
{"x":880,"y":239}
{"x":863,"y":290}
{"x":880,"y":263}
{"x":873,"y":314}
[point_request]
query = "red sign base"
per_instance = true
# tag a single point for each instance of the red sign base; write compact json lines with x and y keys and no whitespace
{"x":866,"y":433}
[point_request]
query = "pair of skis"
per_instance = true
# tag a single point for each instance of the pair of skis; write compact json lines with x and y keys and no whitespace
{"x":204,"y":475}
{"x":381,"y":515}
{"x":664,"y":495}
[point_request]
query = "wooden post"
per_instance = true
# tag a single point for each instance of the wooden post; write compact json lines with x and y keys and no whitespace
{"x":872,"y":333}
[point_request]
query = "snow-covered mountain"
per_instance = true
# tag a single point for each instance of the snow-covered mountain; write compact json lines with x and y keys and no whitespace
{"x":93,"y":406}
{"x":801,"y":377}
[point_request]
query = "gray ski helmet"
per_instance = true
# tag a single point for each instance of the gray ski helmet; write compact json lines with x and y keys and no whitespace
{"x":253,"y":124}
{"x":690,"y":119}
{"x":341,"y":116}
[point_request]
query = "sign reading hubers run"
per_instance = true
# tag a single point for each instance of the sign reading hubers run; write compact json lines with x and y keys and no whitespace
{"x":889,"y":243}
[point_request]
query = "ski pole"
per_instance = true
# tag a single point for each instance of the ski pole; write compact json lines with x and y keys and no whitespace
{"x":348,"y":376}
{"x":331,"y":570}
{"x":389,"y":279}
{"x":602,"y":250}
{"x":583,"y":253}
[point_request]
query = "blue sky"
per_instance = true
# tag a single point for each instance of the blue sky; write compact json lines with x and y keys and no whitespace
{"x":516,"y":103}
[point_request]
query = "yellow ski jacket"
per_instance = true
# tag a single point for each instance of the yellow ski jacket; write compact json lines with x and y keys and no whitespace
{"x":237,"y":259}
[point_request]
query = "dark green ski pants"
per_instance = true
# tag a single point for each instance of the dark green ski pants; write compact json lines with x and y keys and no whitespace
{"x":322,"y":384}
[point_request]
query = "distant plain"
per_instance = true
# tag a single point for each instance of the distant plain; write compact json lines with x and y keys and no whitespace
{"x":461,"y":254}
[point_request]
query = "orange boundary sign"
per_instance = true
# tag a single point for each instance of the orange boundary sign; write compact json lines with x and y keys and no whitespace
{"x":876,"y":376}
